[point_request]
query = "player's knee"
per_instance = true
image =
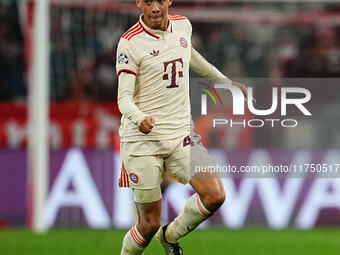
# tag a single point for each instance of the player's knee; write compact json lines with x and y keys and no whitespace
{"x":218,"y":199}
{"x":215,"y":200}
{"x":150,"y":226}
{"x":153,"y":227}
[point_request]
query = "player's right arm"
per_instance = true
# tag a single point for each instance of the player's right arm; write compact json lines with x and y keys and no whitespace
{"x":127,"y":66}
{"x":126,"y":87}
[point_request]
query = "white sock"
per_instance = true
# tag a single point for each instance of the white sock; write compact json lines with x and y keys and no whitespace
{"x":133,"y":243}
{"x":194,"y":213}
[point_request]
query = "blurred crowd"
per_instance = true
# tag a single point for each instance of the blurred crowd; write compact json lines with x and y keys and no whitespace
{"x":275,"y":50}
{"x":12,"y":62}
{"x":84,"y":40}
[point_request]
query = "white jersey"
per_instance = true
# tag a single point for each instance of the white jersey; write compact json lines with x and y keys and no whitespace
{"x":160,"y":60}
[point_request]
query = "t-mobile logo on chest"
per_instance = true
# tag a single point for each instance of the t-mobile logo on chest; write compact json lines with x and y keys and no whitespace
{"x":173,"y":73}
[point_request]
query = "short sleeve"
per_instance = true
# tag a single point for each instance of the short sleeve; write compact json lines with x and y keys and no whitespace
{"x":127,"y":60}
{"x":189,"y":27}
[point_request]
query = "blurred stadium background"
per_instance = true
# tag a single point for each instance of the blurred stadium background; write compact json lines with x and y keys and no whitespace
{"x":256,"y":39}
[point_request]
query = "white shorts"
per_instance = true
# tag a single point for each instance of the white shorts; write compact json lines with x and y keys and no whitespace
{"x":145,"y":163}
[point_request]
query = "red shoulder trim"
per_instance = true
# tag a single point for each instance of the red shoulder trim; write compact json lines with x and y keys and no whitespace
{"x":130,"y":30}
{"x":138,"y":31}
{"x":126,"y":71}
{"x":176,"y":17}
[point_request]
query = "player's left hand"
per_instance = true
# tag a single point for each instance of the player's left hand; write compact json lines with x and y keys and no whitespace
{"x":244,"y":90}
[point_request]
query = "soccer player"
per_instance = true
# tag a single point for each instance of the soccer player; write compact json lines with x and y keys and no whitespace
{"x":153,"y":60}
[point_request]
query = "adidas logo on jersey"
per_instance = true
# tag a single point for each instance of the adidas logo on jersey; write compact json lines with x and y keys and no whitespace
{"x":154,"y":53}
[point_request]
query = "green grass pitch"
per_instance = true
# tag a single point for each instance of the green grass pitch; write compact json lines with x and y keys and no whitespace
{"x":199,"y":242}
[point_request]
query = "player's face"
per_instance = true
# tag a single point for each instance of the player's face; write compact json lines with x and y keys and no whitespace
{"x":155,"y":12}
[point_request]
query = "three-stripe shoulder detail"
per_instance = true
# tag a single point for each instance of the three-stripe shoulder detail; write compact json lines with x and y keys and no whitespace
{"x":176,"y":17}
{"x":133,"y":31}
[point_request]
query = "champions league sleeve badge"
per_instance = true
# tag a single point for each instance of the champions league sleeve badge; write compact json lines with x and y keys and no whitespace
{"x":123,"y":59}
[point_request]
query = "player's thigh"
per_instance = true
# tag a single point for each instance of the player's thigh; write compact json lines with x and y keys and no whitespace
{"x":177,"y":164}
{"x":192,"y":163}
{"x":208,"y":187}
{"x":205,"y":180}
{"x":189,"y":161}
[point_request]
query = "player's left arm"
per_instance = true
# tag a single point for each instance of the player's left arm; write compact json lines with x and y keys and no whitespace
{"x":202,"y":67}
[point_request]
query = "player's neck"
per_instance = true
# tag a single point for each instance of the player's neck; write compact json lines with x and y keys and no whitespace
{"x":163,"y":27}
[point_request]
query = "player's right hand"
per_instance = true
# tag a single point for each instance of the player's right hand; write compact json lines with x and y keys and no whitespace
{"x":146,"y":125}
{"x":244,"y":90}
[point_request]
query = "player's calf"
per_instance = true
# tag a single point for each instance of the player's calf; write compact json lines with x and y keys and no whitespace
{"x":149,"y":218}
{"x":194,"y":213}
{"x":140,"y":235}
{"x":209,"y":197}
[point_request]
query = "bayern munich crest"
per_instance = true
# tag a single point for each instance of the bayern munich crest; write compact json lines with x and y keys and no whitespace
{"x":133,"y":177}
{"x":183,"y":42}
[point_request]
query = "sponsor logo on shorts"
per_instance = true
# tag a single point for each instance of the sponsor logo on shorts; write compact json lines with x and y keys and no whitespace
{"x":186,"y":141}
{"x":134,"y":177}
{"x":183,"y":42}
